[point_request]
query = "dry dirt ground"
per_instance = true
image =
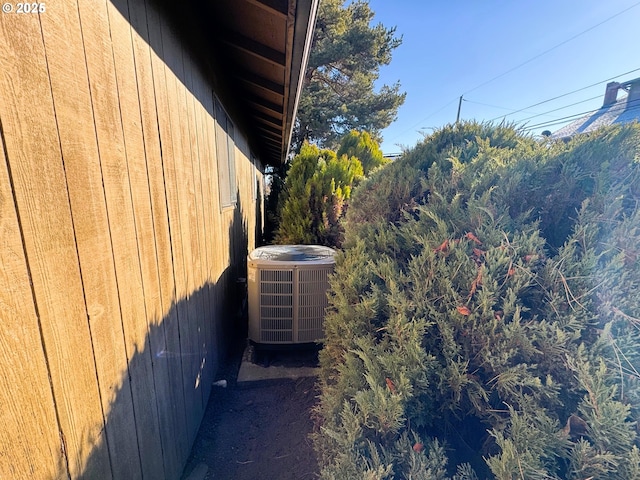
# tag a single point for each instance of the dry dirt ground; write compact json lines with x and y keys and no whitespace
{"x":258,"y":430}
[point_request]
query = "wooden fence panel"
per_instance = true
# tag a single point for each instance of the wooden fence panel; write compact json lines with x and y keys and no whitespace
{"x":162,"y":375}
{"x":32,"y":148}
{"x":30,"y":445}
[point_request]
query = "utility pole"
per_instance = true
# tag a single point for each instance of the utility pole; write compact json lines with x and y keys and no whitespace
{"x":459,"y":107}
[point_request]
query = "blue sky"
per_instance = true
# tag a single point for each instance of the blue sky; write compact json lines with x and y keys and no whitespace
{"x":459,"y":47}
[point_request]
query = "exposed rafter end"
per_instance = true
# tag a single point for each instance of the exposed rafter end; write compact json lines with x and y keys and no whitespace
{"x":276,"y":6}
{"x":255,"y":48}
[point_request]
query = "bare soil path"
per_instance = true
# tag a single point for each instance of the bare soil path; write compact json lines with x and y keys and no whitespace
{"x":258,"y":430}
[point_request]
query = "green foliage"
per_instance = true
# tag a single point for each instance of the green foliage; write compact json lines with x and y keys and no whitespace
{"x":386,"y":194}
{"x":487,"y":299}
{"x":339,"y":92}
{"x":315,"y":191}
{"x":364,"y":148}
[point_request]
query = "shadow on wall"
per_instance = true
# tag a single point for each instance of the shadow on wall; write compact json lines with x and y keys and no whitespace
{"x":259,"y":236}
{"x":185,"y":348}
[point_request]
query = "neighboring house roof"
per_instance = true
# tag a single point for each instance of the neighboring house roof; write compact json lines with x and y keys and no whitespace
{"x":613,"y":111}
{"x":257,"y":52}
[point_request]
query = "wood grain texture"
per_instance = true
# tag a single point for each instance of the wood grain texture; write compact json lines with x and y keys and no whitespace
{"x":75,"y":118}
{"x":110,"y":207}
{"x":172,"y":357}
{"x":32,"y":148}
{"x":193,"y":257}
{"x":198,"y":238}
{"x":149,"y":120}
{"x":206,"y":369}
{"x":99,"y":54}
{"x":28,"y":410}
{"x":217,"y":266}
{"x":184,"y":257}
{"x":141,"y":366}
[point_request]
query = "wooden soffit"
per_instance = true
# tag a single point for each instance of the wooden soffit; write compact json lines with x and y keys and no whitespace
{"x":257,"y":51}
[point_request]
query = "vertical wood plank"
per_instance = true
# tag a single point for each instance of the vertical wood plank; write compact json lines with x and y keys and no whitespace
{"x":216,"y":241}
{"x":215,"y":267}
{"x":226,"y":216}
{"x":147,"y":97}
{"x":109,"y":132}
{"x":173,"y":355}
{"x":144,"y":391}
{"x":32,"y":146}
{"x":198,"y":240}
{"x":185,"y":258}
{"x":74,"y":116}
{"x":192,"y":257}
{"x":205,"y":179}
{"x":30,"y":444}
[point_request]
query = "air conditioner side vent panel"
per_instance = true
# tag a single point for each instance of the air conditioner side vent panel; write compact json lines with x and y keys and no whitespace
{"x":288,"y":298}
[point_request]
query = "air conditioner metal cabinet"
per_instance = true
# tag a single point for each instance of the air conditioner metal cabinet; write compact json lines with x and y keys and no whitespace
{"x":287,"y":288}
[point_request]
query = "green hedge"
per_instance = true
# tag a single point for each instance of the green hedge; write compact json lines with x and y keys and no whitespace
{"x":484,"y":319}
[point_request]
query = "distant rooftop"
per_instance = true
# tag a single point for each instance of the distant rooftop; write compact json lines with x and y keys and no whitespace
{"x":614,"y":110}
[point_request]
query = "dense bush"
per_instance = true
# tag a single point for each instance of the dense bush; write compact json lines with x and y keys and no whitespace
{"x":364,"y":148}
{"x":315,"y":191}
{"x":484,"y":318}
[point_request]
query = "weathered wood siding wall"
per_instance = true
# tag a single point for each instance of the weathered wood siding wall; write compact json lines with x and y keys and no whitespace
{"x":117,"y":259}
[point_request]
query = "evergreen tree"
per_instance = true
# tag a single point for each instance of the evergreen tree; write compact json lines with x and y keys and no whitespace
{"x":339,"y":91}
{"x":315,"y":191}
{"x":364,"y":148}
{"x":483,"y":318}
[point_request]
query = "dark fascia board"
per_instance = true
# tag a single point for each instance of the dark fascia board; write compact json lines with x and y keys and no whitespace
{"x":303,"y":26}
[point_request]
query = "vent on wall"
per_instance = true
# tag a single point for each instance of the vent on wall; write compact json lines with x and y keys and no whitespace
{"x":287,"y":287}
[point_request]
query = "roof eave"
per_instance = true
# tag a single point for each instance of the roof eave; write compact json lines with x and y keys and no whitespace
{"x":255,"y":54}
{"x":303,"y":24}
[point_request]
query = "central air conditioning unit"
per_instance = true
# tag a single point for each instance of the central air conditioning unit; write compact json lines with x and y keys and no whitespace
{"x":287,"y":287}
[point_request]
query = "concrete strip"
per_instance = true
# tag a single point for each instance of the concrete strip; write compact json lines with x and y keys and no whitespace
{"x":251,"y":372}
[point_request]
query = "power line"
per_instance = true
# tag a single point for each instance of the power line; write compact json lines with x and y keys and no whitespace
{"x":424,"y":119}
{"x":568,"y":93}
{"x":535,"y":114}
{"x":551,"y":49}
{"x":530,"y":106}
{"x":560,"y":108}
{"x":522,"y":64}
{"x":551,"y":99}
{"x":520,"y":109}
{"x":489,"y":105}
{"x":577,"y":116}
{"x":627,"y":106}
